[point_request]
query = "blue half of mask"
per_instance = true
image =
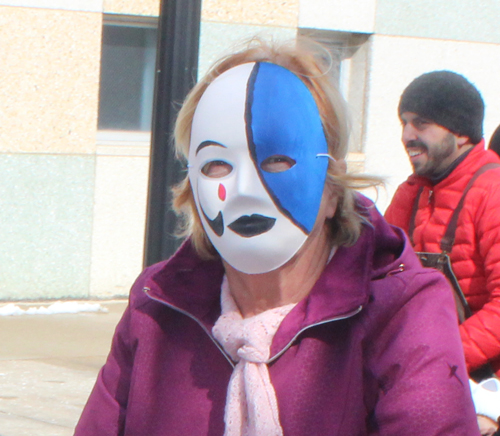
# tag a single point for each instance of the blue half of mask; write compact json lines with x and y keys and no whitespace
{"x":282,"y":119}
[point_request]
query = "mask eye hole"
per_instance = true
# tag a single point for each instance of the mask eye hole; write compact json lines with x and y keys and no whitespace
{"x":216,"y":169}
{"x":277,"y":163}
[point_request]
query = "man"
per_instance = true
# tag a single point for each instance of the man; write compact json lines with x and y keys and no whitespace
{"x":442,"y":116}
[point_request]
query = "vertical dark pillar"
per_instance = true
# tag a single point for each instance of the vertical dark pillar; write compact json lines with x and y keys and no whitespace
{"x":177,"y":64}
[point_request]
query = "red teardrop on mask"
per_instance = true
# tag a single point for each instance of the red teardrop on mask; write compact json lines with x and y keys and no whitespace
{"x":222,"y":192}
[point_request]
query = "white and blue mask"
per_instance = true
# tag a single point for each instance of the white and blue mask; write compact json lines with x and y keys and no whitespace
{"x":257,"y":165}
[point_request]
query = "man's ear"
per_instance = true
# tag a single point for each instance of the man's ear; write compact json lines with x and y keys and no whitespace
{"x":463,"y":140}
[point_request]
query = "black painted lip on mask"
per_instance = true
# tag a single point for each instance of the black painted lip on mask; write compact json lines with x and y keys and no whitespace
{"x":248,"y":226}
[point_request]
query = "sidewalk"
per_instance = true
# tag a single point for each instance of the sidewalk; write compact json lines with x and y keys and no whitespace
{"x":48,"y":365}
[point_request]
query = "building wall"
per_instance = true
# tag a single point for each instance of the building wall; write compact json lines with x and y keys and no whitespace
{"x":48,"y":88}
{"x":340,"y":15}
{"x":272,"y":13}
{"x":227,"y":24}
{"x":411,"y":57}
{"x":120,"y":196}
{"x":407,"y":39}
{"x":132,"y":7}
{"x":464,"y":20}
{"x":122,"y":162}
{"x":73,"y":199}
{"x":72,"y":204}
{"x":121,"y":181}
{"x":412,"y":38}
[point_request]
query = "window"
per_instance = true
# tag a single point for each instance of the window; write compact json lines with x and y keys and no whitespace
{"x":127,"y":73}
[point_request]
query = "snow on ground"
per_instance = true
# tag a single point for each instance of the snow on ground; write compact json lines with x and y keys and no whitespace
{"x":57,"y":307}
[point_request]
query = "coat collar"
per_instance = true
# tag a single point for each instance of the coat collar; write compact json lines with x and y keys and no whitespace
{"x":477,"y":158}
{"x":192,"y":285}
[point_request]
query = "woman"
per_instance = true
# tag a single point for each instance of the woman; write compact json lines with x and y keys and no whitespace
{"x":293,"y":308}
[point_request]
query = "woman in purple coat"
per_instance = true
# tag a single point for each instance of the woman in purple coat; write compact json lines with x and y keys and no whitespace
{"x":292,"y":308}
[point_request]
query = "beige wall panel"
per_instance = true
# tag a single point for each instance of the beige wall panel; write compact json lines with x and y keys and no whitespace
{"x":262,"y":12}
{"x":49,"y":80}
{"x":132,"y":7}
{"x":220,"y":39}
{"x":342,"y":15}
{"x":119,"y":222}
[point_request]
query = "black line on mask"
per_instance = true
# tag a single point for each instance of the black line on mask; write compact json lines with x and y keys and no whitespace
{"x":251,"y":146}
{"x":207,"y":144}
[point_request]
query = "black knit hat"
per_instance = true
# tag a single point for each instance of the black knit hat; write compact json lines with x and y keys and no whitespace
{"x":449,"y":100}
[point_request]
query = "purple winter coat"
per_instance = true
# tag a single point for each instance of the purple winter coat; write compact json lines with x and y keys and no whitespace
{"x":373,"y":349}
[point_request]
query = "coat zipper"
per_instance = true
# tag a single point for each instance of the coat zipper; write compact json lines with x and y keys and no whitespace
{"x":337,"y":318}
{"x":146,"y":291}
{"x":275,"y":357}
{"x":431,"y":196}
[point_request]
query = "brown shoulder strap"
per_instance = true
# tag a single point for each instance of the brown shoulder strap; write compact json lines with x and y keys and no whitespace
{"x":449,"y":236}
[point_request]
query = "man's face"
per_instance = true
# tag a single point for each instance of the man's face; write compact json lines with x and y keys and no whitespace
{"x":430,"y":147}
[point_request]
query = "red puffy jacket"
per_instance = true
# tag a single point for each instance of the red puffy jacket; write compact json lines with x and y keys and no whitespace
{"x":475,"y":256}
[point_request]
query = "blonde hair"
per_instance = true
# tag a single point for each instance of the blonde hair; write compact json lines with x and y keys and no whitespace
{"x":309,"y":61}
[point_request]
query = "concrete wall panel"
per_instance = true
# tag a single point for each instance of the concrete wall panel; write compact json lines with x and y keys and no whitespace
{"x":119,"y":221}
{"x":46,"y":216}
{"x":341,"y":15}
{"x":256,"y":12}
{"x":133,"y":7}
{"x":69,"y":5}
{"x":49,"y":80}
{"x":218,"y":39}
{"x":464,"y":20}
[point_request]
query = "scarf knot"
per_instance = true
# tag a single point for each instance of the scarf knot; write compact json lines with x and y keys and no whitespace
{"x":251,"y":404}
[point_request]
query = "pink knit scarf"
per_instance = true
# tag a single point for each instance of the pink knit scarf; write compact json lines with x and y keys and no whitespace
{"x":251,"y":405}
